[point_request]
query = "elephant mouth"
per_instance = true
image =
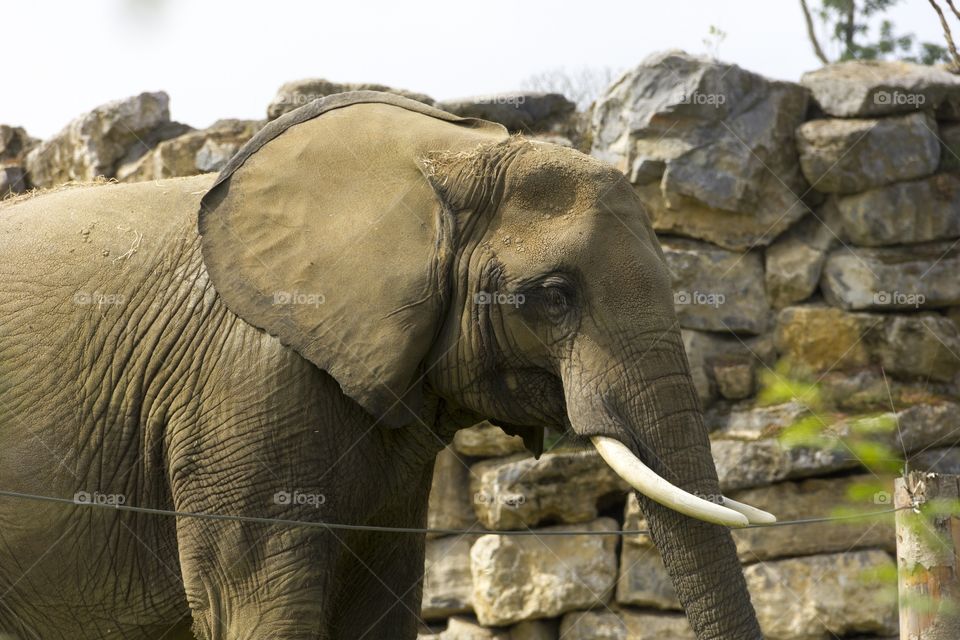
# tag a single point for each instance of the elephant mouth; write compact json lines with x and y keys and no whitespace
{"x":628,"y":466}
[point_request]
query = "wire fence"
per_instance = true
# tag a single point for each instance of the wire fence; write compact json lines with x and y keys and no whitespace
{"x":415,"y":530}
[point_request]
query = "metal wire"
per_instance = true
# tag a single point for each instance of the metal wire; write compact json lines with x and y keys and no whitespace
{"x":419,"y":530}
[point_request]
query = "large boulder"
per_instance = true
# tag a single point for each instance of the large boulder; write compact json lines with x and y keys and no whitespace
{"x":725,"y":365}
{"x":819,"y":339}
{"x":868,"y":88}
{"x":743,"y":464}
{"x":521,"y":491}
{"x":522,"y":578}
{"x":795,"y":260}
{"x":94,"y":143}
{"x":486,"y":440}
{"x":447,"y":581}
{"x":192,"y":153}
{"x":921,"y":276}
{"x":848,"y":156}
{"x":824,"y":596}
{"x":815,"y":498}
{"x":523,"y":112}
{"x":625,"y":625}
{"x":12,"y":180}
{"x":14,"y":144}
{"x":709,"y":145}
{"x":643,"y":579}
{"x":715,"y":289}
{"x":902,"y":213}
{"x":450,"y":506}
{"x":300,"y":92}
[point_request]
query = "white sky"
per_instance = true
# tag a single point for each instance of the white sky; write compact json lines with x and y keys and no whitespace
{"x":221,"y":59}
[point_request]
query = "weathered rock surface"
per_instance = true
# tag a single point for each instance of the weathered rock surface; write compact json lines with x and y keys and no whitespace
{"x":14,"y":144}
{"x":815,"y":498}
{"x":520,"y":578}
{"x":191,"y":153}
{"x":486,"y":439}
{"x":795,"y":261}
{"x":724,"y":138}
{"x":643,"y":579}
{"x":525,"y":112}
{"x":716,"y":289}
{"x":624,"y":625}
{"x":743,"y":464}
{"x":865,"y":88}
{"x":520,"y":491}
{"x":903,"y":278}
{"x":462,"y":628}
{"x":447,"y":582}
{"x":720,"y":363}
{"x":848,"y":156}
{"x":450,"y":504}
{"x":822,"y":338}
{"x":12,"y":180}
{"x":93,"y":143}
{"x":823,"y":596}
{"x":297,"y":93}
{"x":949,"y":147}
{"x":903,"y":213}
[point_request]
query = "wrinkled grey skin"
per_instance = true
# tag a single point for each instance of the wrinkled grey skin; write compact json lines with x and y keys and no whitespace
{"x":124,"y":371}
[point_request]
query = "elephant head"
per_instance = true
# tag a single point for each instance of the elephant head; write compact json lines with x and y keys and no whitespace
{"x":416,"y":255}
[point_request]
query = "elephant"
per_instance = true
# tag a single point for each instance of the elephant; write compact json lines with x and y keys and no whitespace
{"x":297,"y":338}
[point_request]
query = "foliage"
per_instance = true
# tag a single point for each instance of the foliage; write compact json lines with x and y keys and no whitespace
{"x":850,"y":25}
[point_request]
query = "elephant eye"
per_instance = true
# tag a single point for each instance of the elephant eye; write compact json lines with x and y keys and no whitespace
{"x":556,"y":298}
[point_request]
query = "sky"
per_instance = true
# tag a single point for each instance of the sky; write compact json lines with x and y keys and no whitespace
{"x":219,"y":59}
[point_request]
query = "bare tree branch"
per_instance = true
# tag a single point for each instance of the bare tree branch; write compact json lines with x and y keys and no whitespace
{"x":946,"y":33}
{"x":812,"y":34}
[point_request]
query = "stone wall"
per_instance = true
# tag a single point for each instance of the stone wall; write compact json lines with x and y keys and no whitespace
{"x":812,"y":230}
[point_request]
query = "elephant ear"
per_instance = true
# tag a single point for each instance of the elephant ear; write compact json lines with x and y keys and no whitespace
{"x":324,"y":232}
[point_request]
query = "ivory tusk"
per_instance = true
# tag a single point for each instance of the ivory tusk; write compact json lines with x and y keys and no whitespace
{"x":754,"y":515}
{"x":643,"y":479}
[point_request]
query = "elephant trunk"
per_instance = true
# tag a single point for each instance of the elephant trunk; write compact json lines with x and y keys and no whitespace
{"x":653,"y":415}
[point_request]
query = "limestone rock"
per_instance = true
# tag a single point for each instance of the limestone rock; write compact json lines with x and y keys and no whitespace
{"x":534,"y":630}
{"x":12,"y":180}
{"x":300,"y":92}
{"x":848,"y":156}
{"x":813,"y":498}
{"x":725,"y":138}
{"x":743,"y":464}
{"x":902,"y":278}
{"x":447,"y":582}
{"x":821,"y":339}
{"x":903,"y":213}
{"x":520,"y":491}
{"x":191,"y":153}
{"x":735,"y":381}
{"x":715,"y":289}
{"x":93,"y":143}
{"x":486,"y":440}
{"x":522,"y":578}
{"x":927,"y":425}
{"x":643,"y":580}
{"x":526,"y":112}
{"x":949,"y":147}
{"x":794,"y":262}
{"x":460,"y":628}
{"x":864,"y":88}
{"x":749,"y":422}
{"x":942,"y":460}
{"x":715,"y":357}
{"x":823,"y":596}
{"x":625,"y":625}
{"x":14,"y":144}
{"x":450,"y":502}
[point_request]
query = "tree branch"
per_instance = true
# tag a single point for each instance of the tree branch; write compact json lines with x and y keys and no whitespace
{"x":812,"y":34}
{"x":946,"y":33}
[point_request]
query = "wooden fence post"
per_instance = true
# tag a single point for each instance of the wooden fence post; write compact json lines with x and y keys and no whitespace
{"x":928,"y":543}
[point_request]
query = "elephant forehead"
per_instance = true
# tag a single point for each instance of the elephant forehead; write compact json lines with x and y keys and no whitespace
{"x":558,"y":180}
